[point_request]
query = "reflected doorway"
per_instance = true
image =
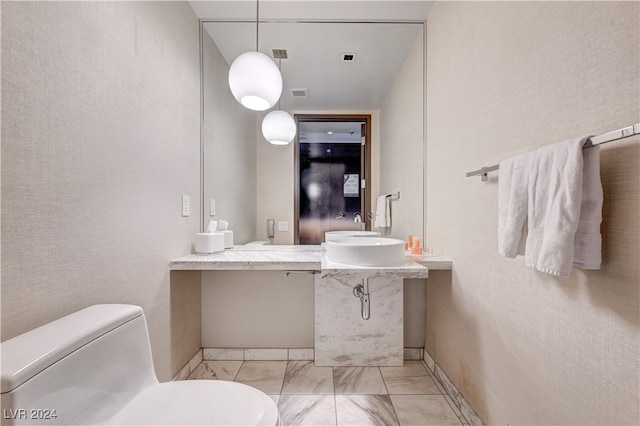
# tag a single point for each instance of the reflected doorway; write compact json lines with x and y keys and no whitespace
{"x":332,"y":166}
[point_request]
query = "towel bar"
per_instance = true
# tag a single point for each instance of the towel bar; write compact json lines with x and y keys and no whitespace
{"x":615,"y":135}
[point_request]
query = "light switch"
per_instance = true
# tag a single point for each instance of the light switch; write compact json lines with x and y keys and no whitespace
{"x":186,"y":205}
{"x":212,"y":207}
{"x":283,"y":226}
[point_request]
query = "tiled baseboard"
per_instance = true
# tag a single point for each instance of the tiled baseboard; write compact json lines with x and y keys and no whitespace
{"x":292,"y":354}
{"x":189,"y":367}
{"x":239,"y":354}
{"x":460,"y":405}
{"x":306,"y":354}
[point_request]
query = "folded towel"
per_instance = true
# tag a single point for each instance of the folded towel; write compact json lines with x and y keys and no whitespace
{"x":588,"y":241}
{"x":513,"y":190}
{"x":383,"y":212}
{"x":555,"y":199}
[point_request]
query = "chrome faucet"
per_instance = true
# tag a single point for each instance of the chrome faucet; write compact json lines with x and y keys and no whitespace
{"x":357,"y":218}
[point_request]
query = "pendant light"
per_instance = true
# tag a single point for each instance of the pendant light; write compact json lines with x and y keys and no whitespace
{"x":254,"y":79}
{"x":278,"y":127}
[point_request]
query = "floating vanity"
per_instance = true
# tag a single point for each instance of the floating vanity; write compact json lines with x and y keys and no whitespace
{"x":277,"y":258}
{"x":335,"y":315}
{"x":256,"y":258}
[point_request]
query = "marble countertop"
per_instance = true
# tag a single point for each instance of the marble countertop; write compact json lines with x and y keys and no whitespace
{"x":257,"y":259}
{"x":409,"y":269}
{"x":296,"y":258}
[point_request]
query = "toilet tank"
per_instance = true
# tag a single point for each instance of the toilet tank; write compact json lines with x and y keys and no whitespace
{"x":79,"y":369}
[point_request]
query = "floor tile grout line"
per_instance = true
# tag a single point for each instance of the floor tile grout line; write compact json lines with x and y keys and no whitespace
{"x":335,"y":399}
{"x":457,"y":411}
{"x":238,"y":372}
{"x":393,"y":407}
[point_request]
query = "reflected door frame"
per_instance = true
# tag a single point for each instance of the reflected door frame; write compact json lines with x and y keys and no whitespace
{"x":366,"y":118}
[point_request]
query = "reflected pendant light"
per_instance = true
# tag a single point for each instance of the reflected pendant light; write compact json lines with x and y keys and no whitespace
{"x":254,"y":79}
{"x":278,"y":127}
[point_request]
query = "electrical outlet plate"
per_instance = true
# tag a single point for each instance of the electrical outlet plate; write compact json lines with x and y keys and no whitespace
{"x":283,"y":226}
{"x":186,"y":206}
{"x":212,"y":207}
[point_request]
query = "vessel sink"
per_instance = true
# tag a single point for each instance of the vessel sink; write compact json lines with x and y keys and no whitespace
{"x":334,"y":235}
{"x":372,"y":251}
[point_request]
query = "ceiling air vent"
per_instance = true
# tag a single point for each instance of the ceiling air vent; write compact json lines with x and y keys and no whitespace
{"x":279,"y":53}
{"x":300,"y":93}
{"x":348,"y":57}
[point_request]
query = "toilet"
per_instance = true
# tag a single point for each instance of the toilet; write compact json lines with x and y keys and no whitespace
{"x":95,"y":367}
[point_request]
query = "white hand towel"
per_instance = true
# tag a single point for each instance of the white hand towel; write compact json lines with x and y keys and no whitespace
{"x":513,"y":190}
{"x":383,"y":212}
{"x":555,"y":198}
{"x":588,"y":241}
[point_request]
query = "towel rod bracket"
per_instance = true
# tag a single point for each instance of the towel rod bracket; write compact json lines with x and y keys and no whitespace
{"x":483,"y":172}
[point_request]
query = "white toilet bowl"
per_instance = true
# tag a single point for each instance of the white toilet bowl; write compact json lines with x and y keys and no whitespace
{"x":94,"y":367}
{"x":198,"y":402}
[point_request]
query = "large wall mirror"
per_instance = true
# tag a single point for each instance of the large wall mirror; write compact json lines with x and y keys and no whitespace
{"x":246,"y":180}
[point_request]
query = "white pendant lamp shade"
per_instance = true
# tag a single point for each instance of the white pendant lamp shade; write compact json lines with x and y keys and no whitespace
{"x":255,"y":81}
{"x":278,"y":127}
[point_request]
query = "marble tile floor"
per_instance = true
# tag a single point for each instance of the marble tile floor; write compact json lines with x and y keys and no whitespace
{"x":310,"y":395}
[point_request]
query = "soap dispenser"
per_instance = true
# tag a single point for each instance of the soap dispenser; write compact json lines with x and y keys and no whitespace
{"x":270,"y":230}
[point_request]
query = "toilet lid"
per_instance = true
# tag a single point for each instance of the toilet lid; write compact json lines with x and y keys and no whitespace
{"x":199,"y":402}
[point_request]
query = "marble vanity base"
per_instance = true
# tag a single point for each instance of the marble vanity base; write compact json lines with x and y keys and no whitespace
{"x":342,"y":336}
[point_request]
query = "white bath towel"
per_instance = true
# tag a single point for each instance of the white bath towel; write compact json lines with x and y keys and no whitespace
{"x":383,"y":212}
{"x":554,"y":208}
{"x":588,"y":240}
{"x":513,"y":188}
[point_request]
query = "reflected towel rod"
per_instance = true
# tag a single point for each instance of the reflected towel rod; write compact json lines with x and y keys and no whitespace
{"x":615,"y":135}
{"x":394,"y":195}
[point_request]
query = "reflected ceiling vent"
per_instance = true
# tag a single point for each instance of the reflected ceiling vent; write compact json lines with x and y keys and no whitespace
{"x":348,"y":57}
{"x":279,"y":53}
{"x":300,"y":93}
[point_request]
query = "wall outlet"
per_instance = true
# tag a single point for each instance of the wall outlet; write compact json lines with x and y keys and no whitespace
{"x":186,"y":206}
{"x":212,"y":207}
{"x":283,"y":226}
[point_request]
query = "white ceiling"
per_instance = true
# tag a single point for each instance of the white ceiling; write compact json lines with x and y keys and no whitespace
{"x":315,"y":48}
{"x":332,"y":10}
{"x":315,"y":59}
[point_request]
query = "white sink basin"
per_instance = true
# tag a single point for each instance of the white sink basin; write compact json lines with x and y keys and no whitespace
{"x":334,"y":235}
{"x":372,"y":251}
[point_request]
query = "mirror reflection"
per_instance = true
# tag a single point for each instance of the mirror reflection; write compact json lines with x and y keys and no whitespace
{"x":357,"y":93}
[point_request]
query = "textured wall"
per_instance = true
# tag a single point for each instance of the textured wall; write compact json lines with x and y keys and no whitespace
{"x":257,"y":309}
{"x":401,"y":145}
{"x":229,"y":149}
{"x":275,"y":194}
{"x":505,"y":78}
{"x":100,"y":137}
{"x":267,"y":309}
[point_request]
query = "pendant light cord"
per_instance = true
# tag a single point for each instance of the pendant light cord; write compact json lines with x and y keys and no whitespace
{"x":257,"y":20}
{"x":279,"y":69}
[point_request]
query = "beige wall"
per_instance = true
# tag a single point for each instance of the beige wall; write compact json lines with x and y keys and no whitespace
{"x":401,"y":149}
{"x":229,"y":150}
{"x":257,"y":309}
{"x":505,"y":78}
{"x":268,"y":309}
{"x":275,"y":185}
{"x":100,"y":138}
